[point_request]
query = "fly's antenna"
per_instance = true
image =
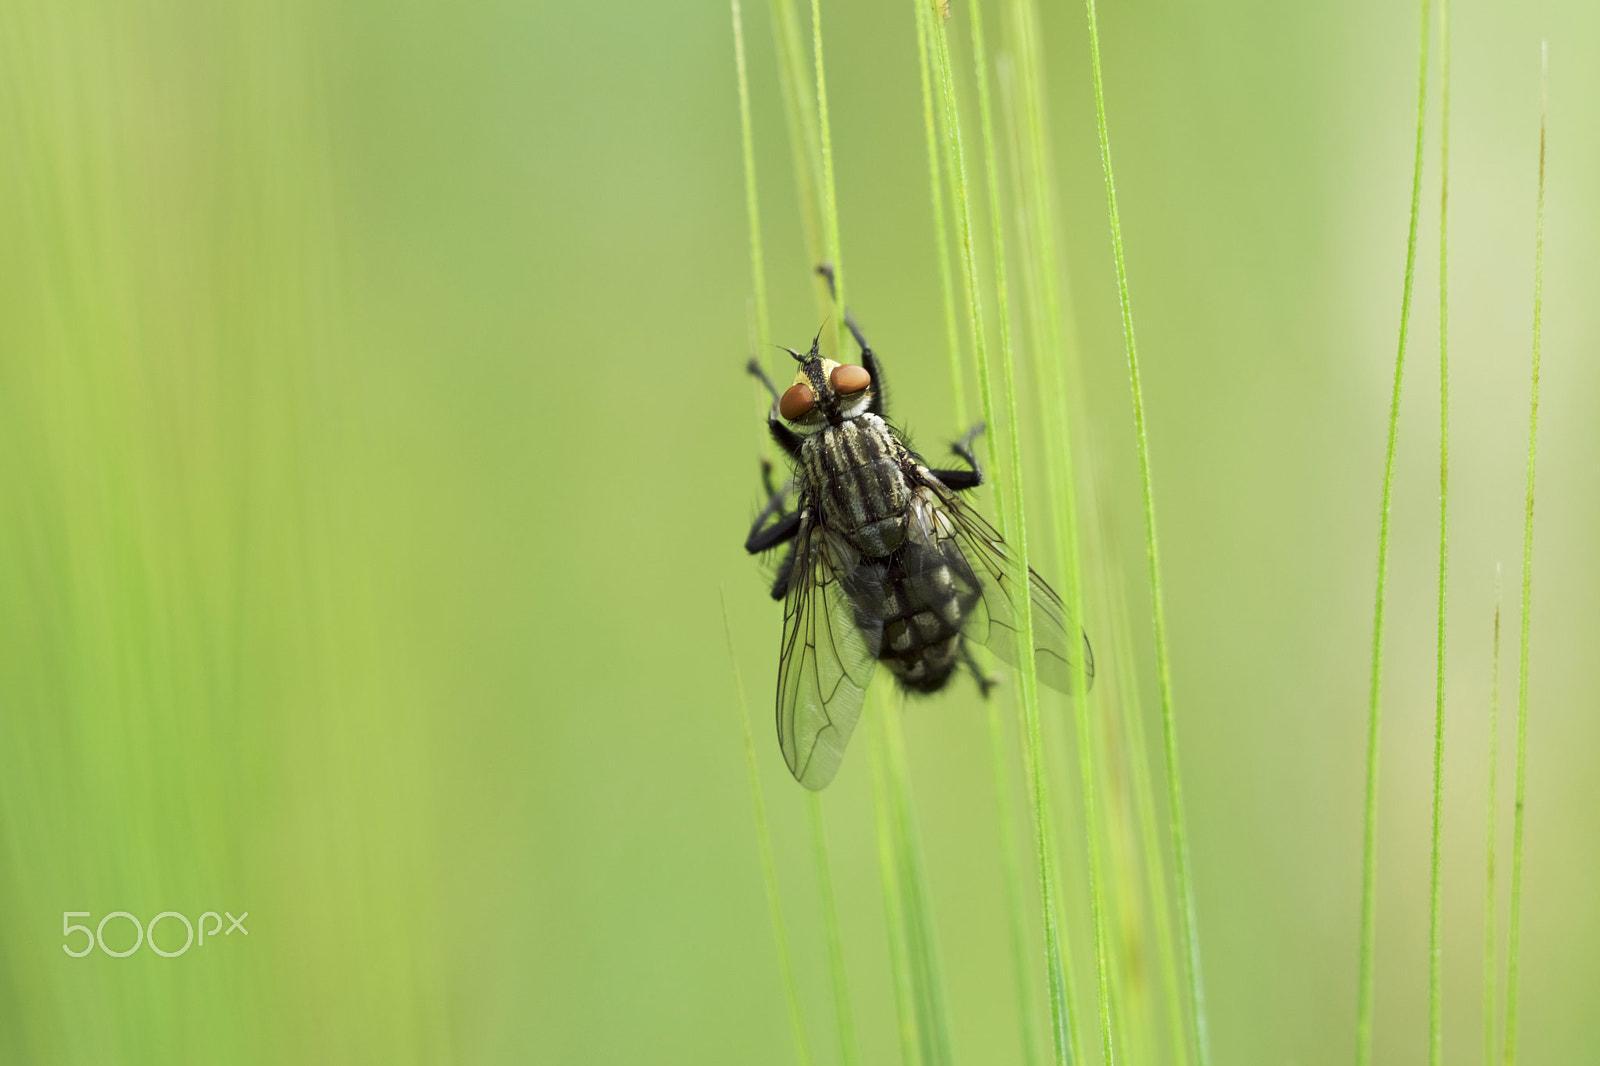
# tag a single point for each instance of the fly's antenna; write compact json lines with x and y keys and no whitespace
{"x":815,"y":354}
{"x":797,"y":356}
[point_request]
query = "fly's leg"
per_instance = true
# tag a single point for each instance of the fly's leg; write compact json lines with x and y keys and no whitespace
{"x":961,"y":480}
{"x":782,"y":435}
{"x":783,"y":529}
{"x":763,"y":536}
{"x":760,"y":375}
{"x":868,"y":360}
{"x":963,"y":447}
{"x":780,"y":587}
{"x":766,"y":482}
{"x":826,"y":270}
{"x":985,"y":682}
{"x":785,"y":438}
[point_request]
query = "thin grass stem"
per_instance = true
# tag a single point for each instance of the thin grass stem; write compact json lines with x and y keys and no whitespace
{"x":845,"y":1017}
{"x":1036,"y":139}
{"x":1058,"y":965}
{"x":894,"y":910}
{"x":1062,"y":1025}
{"x":1195,"y":986}
{"x":769,"y":870}
{"x":830,"y":203}
{"x":1369,"y":850}
{"x":1435,"y":950}
{"x":956,"y":165}
{"x":1008,"y":108}
{"x":1514,"y":943}
{"x":758,"y":269}
{"x":1150,"y":835}
{"x":1029,"y":686}
{"x":1491,"y":967}
{"x":1023,"y":95}
{"x":1011,"y":866}
{"x":958,"y":388}
{"x":802,"y":124}
{"x":926,"y":969}
{"x":757,"y":321}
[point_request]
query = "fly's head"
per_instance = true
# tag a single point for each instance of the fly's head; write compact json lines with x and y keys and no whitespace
{"x":825,"y":392}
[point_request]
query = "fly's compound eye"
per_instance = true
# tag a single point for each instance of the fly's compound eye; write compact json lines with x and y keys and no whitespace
{"x":847,"y":379}
{"x":797,"y":402}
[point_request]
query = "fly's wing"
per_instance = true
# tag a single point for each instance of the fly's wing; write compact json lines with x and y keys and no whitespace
{"x":826,"y":657}
{"x":1060,"y":647}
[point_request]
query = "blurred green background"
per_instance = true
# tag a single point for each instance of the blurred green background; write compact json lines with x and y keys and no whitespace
{"x":374,"y":446}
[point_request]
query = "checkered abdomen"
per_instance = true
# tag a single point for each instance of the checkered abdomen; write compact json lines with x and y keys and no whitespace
{"x":924,"y":607}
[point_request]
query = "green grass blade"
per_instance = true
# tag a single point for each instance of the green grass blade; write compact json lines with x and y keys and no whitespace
{"x":956,"y":165}
{"x":1029,"y":686}
{"x":758,"y":270}
{"x":1002,"y":289}
{"x":759,"y":324}
{"x":1034,"y":137}
{"x":1435,"y":951}
{"x":1150,"y":835}
{"x":1514,"y":944}
{"x":848,"y":1054}
{"x":1061,"y":1022}
{"x":1022,"y":97}
{"x":1195,"y":987}
{"x":958,"y":387}
{"x":927,"y":973}
{"x":830,"y":204}
{"x":802,"y":124}
{"x":1490,"y":964}
{"x":1369,"y":849}
{"x":894,"y":911}
{"x":1011,"y":867}
{"x":769,"y":870}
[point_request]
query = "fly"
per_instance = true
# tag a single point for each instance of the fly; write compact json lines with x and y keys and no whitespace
{"x":885,"y":563}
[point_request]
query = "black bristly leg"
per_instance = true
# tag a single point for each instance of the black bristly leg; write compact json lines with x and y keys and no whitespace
{"x":961,"y":480}
{"x":784,"y":528}
{"x":766,"y":480}
{"x":985,"y":682}
{"x":780,"y":587}
{"x":760,"y":375}
{"x":963,"y":447}
{"x":868,"y":359}
{"x":785,"y":438}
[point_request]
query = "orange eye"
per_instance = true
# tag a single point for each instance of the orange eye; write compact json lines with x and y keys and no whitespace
{"x":846,"y":379}
{"x":797,"y":402}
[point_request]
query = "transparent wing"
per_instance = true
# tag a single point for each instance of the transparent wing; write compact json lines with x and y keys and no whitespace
{"x":1060,"y":647}
{"x":826,"y":658}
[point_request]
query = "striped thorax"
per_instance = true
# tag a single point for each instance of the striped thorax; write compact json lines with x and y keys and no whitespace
{"x":855,"y":473}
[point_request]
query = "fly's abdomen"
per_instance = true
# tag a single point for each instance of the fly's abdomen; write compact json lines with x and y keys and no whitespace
{"x":856,"y":473}
{"x":924,"y":607}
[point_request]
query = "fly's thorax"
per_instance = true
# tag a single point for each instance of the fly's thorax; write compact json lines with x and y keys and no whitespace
{"x":857,"y":473}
